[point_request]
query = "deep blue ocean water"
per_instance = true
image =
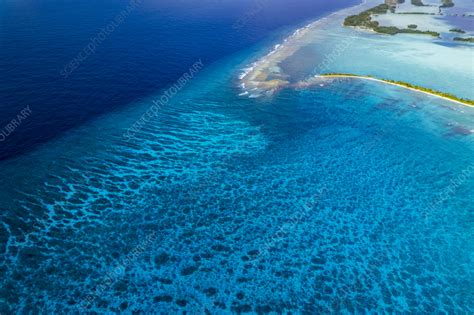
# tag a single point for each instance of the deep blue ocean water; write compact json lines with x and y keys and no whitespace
{"x":156,"y":42}
{"x":351,"y":198}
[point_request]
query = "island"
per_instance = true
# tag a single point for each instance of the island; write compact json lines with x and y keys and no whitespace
{"x":364,"y":20}
{"x":446,"y":96}
{"x":464,"y":39}
{"x":457,"y":30}
{"x":351,"y":44}
{"x":447,"y":4}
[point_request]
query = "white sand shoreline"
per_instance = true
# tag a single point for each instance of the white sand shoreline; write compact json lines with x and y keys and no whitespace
{"x":250,"y":77}
{"x":368,"y":78}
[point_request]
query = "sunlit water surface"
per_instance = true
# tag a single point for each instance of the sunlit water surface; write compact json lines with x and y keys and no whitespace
{"x":349,"y":197}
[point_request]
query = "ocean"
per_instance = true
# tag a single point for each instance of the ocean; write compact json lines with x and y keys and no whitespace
{"x":146,"y":47}
{"x":144,"y":183}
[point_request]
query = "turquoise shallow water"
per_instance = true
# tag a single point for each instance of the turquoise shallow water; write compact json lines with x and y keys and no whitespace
{"x":349,"y":198}
{"x":436,"y":63}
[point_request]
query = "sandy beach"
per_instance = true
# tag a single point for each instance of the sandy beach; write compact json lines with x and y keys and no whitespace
{"x":362,"y":77}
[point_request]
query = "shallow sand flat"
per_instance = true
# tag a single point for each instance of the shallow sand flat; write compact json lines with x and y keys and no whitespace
{"x":408,"y":7}
{"x":424,"y":22}
{"x":269,"y":64}
{"x":430,"y":2}
{"x":417,"y":59}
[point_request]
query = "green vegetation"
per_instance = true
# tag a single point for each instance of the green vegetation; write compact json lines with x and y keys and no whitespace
{"x":364,"y":20}
{"x":412,"y":26}
{"x":392,"y":30}
{"x":447,"y":4}
{"x":336,"y":74}
{"x":412,"y":31}
{"x":418,"y":3}
{"x":457,"y":30}
{"x":464,"y":39}
{"x":431,"y":91}
{"x":407,"y":85}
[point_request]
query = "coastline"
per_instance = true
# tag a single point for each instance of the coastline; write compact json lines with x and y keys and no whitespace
{"x":266,"y":76}
{"x":254,"y":78}
{"x":251,"y":77}
{"x":451,"y":98}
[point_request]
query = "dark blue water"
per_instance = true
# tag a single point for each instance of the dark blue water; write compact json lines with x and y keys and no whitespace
{"x":154,"y":44}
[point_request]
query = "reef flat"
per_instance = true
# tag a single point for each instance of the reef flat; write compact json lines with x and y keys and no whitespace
{"x":334,"y":45}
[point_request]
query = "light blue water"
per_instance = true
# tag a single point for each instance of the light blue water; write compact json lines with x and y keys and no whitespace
{"x":338,"y":199}
{"x":436,"y":63}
